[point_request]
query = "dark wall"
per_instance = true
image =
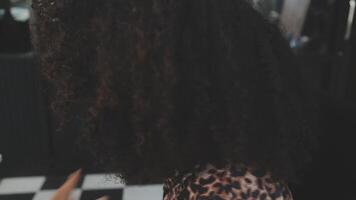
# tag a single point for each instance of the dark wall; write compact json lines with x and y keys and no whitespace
{"x":24,"y":136}
{"x":332,"y":173}
{"x":29,"y":142}
{"x":329,"y":66}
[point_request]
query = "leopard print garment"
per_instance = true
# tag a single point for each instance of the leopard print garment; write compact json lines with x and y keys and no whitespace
{"x":234,"y":182}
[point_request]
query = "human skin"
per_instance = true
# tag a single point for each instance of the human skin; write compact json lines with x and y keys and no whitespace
{"x":63,"y":193}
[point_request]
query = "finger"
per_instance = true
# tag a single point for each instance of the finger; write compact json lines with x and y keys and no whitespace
{"x":72,"y":181}
{"x":79,"y":171}
{"x":104,"y":198}
{"x":64,"y":191}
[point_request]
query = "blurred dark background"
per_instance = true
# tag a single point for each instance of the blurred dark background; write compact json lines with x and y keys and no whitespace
{"x":321,"y":32}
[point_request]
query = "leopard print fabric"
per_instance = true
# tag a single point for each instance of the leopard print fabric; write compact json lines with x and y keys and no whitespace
{"x":235,"y":182}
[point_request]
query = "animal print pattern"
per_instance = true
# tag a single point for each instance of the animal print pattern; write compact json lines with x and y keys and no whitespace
{"x":234,"y":182}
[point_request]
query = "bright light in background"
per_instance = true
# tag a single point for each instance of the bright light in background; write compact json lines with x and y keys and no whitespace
{"x":293,"y":16}
{"x":350,"y":19}
{"x":19,"y":10}
{"x":20,"y":13}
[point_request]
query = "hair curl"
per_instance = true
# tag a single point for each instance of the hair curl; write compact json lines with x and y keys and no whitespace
{"x":164,"y":84}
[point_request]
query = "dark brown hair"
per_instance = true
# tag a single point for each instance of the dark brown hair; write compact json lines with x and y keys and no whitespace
{"x":164,"y":85}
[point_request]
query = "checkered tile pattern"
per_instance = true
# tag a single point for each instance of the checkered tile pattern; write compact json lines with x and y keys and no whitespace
{"x":90,"y":187}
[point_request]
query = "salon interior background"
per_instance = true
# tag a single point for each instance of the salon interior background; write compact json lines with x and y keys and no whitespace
{"x":321,"y":32}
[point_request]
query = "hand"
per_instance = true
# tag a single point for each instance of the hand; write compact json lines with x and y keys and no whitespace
{"x":63,"y":193}
{"x":65,"y":190}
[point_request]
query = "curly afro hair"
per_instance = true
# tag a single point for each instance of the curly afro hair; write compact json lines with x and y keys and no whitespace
{"x":164,"y":85}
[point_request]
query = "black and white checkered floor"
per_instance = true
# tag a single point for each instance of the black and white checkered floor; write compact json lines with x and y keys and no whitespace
{"x":91,"y":187}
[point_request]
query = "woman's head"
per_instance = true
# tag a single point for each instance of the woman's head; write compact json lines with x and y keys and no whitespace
{"x":166,"y":84}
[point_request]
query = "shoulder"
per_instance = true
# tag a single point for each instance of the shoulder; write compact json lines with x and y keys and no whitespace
{"x":232,"y":182}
